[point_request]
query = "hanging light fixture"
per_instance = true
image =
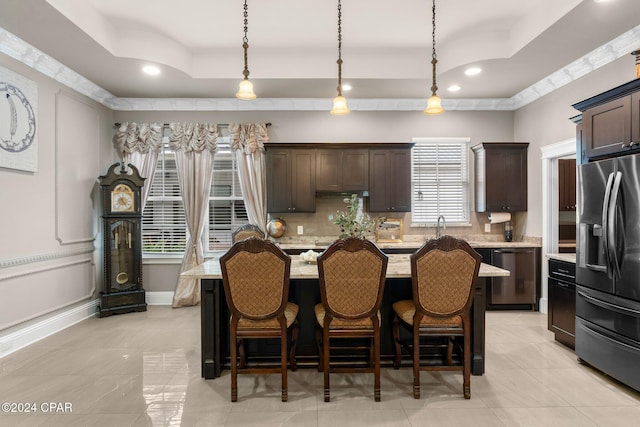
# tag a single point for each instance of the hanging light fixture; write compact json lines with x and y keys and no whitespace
{"x":246,"y":87}
{"x":340,"y":102}
{"x":434,"y":104}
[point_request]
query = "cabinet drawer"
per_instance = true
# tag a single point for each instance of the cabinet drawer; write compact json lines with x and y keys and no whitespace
{"x":561,"y":270}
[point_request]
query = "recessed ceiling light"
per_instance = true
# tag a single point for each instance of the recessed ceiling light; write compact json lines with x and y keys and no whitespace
{"x":472,"y":71}
{"x":151,"y":70}
{"x":453,"y":88}
{"x":346,"y":87}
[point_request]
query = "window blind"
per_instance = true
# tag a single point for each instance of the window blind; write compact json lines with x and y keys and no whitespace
{"x":164,"y":227}
{"x":440,"y":181}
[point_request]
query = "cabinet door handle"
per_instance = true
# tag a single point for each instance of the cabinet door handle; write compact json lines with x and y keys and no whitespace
{"x":562,"y":284}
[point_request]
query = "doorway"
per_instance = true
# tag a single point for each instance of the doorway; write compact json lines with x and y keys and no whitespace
{"x":550,"y":205}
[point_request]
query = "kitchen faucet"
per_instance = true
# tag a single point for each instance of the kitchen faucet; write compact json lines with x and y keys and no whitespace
{"x":438,"y":226}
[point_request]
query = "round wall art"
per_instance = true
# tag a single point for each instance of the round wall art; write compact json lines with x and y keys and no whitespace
{"x":18,"y":116}
{"x":19,"y":130}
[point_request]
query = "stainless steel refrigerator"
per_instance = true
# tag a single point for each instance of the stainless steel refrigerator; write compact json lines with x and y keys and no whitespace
{"x":608,"y":267}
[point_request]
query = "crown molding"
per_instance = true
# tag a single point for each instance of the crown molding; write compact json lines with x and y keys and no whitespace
{"x":22,"y":51}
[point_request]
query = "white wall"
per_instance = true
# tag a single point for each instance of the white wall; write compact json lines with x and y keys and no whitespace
{"x":48,"y":221}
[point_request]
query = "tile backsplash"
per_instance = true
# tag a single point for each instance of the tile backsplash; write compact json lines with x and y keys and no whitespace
{"x":318,"y":224}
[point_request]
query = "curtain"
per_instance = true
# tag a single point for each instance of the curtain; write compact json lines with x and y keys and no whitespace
{"x":139,"y":145}
{"x":247,"y":142}
{"x":194,"y":145}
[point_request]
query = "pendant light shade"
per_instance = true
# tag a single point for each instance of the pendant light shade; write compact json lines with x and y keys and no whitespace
{"x":340,"y":102}
{"x":340,"y":106}
{"x":245,"y":90}
{"x":434,"y":104}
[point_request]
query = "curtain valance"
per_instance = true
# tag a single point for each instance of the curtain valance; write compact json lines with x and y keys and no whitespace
{"x":193,"y":137}
{"x":248,"y":137}
{"x":137,"y":138}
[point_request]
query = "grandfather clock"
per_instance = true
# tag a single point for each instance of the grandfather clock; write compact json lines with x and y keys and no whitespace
{"x":122,"y":238}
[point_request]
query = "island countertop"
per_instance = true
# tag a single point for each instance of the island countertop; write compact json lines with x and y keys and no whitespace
{"x":398,"y":267}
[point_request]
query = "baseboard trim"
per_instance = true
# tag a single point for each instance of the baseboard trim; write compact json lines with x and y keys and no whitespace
{"x":159,"y":298}
{"x":544,"y":305}
{"x":37,"y":331}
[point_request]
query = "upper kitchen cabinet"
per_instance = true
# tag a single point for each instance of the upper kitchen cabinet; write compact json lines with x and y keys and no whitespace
{"x":342,"y":170}
{"x":610,"y":122}
{"x":567,"y":184}
{"x":291,"y":180}
{"x":501,"y":176}
{"x":390,"y":180}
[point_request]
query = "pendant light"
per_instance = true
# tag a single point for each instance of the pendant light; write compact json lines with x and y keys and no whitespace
{"x":340,"y":102}
{"x":245,"y":90}
{"x":434,"y":104}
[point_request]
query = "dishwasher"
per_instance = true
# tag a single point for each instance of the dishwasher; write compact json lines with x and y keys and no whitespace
{"x":520,"y":287}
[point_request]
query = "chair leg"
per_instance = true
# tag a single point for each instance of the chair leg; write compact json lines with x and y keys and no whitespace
{"x":416,"y":363}
{"x":449,"y":350}
{"x":376,"y":361}
{"x":243,"y":355}
{"x":283,"y":363}
{"x":466,"y":373}
{"x":294,"y":342}
{"x":396,"y":341}
{"x":319,"y":333}
{"x":234,"y":367}
{"x":325,"y":363}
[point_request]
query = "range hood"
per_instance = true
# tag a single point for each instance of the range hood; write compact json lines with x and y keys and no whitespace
{"x":341,"y":194}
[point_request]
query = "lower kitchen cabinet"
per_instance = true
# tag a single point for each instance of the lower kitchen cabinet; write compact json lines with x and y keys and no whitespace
{"x":562,"y":301}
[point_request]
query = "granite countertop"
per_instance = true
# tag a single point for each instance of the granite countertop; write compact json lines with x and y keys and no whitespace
{"x":567,"y":257}
{"x":411,"y":242}
{"x":398,"y":267}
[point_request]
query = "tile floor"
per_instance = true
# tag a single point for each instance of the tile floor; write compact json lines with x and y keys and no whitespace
{"x":143,"y":369}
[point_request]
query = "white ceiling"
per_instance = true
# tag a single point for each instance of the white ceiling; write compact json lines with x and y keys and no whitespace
{"x":386,"y":46}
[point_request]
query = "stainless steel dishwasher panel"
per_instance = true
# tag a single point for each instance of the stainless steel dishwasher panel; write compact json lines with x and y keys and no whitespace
{"x":520,"y":286}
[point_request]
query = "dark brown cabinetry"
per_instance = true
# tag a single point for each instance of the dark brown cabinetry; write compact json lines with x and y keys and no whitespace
{"x":562,"y":301}
{"x":342,"y":170}
{"x":610,"y":122}
{"x":389,"y":180}
{"x":567,"y":184}
{"x":501,"y":176}
{"x":291,"y":180}
{"x":607,"y":127}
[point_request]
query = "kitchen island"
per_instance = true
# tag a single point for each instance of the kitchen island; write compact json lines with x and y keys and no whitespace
{"x":305,"y":292}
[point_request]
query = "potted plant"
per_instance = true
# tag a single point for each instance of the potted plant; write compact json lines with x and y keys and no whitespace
{"x":353,"y":222}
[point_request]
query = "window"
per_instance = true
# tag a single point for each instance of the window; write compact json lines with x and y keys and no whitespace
{"x":226,"y":207}
{"x":440,"y":180}
{"x":164,"y":227}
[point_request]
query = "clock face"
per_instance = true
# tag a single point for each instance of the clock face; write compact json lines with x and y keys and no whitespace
{"x":122,"y":199}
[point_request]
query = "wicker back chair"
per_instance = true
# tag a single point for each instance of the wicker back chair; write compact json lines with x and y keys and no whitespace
{"x":444,"y":272}
{"x":352,"y":275}
{"x":255,"y":275}
{"x":245,"y":231}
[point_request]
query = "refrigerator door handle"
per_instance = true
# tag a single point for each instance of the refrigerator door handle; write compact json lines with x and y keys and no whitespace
{"x":605,"y":224}
{"x":612,"y":225}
